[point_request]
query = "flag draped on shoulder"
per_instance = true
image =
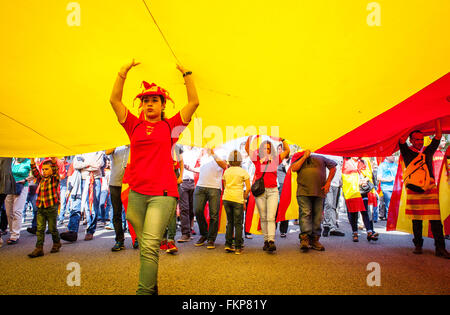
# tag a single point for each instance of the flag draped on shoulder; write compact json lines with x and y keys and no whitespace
{"x":436,"y":205}
{"x":288,"y":206}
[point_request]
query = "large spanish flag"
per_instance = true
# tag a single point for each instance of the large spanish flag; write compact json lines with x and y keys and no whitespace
{"x":398,"y":220}
{"x":288,"y":206}
{"x":333,"y":65}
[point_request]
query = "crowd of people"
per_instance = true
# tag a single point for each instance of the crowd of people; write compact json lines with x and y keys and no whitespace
{"x":86,"y":189}
{"x":90,"y":186}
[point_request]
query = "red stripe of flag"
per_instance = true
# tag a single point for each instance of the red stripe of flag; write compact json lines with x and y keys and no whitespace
{"x":423,"y":212}
{"x":422,"y":202}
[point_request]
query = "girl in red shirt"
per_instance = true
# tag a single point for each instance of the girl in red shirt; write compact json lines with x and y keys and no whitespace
{"x":266,"y":163}
{"x":153,"y":186}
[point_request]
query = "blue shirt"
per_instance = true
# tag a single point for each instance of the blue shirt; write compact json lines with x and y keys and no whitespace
{"x":386,"y":170}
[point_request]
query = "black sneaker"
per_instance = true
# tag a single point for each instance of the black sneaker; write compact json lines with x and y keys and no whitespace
{"x":210,"y":245}
{"x":266,"y":245}
{"x":337,"y":233}
{"x":201,"y":241}
{"x":118,"y":247}
{"x":272,"y":246}
{"x":325,"y":231}
{"x":32,"y":230}
{"x":69,"y":236}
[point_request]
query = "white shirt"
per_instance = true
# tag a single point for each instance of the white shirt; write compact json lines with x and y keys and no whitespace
{"x":210,"y":173}
{"x":189,"y":159}
{"x":89,"y":162}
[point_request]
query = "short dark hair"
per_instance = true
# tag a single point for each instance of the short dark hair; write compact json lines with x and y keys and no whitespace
{"x":235,"y":158}
{"x":413,"y":132}
{"x":47,"y":162}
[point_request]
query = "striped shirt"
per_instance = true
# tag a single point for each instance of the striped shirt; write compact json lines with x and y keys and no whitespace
{"x":48,"y":190}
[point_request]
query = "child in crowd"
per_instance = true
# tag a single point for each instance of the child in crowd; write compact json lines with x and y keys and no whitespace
{"x":47,"y":203}
{"x":233,"y":200}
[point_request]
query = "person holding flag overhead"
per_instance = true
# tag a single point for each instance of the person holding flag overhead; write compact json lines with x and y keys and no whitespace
{"x":421,"y":190}
{"x":153,"y":185}
{"x":313,"y":186}
{"x":266,"y":161}
{"x":209,"y":189}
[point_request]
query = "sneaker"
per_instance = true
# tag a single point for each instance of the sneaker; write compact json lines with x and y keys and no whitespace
{"x":210,"y":245}
{"x":184,"y":238}
{"x":163,"y":245}
{"x":326,"y":231}
{"x":238,"y":251}
{"x":371,"y":236}
{"x":201,"y":241}
{"x":337,"y":233}
{"x":12,"y":242}
{"x":248,"y":236}
{"x":89,"y":237}
{"x":355,"y":237}
{"x":229,"y":249}
{"x":69,"y":236}
{"x":118,"y":247}
{"x":171,"y":247}
{"x":109,"y":227}
{"x":283,"y":235}
{"x":266,"y":246}
{"x":272,"y":246}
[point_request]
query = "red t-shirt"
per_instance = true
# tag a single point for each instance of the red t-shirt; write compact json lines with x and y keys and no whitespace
{"x":270,"y":176}
{"x":151,"y":162}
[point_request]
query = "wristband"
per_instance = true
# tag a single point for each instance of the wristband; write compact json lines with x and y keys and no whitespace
{"x":187,"y":73}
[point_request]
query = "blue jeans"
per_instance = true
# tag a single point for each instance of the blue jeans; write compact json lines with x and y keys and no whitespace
{"x":75,"y":214}
{"x":212,"y":196}
{"x":149,"y":216}
{"x":62,"y":210}
{"x":310,"y":214}
{"x":235,"y":213}
{"x":76,"y":205}
{"x":387,"y":200}
{"x":105,"y":205}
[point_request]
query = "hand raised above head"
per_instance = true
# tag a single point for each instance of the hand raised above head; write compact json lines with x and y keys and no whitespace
{"x":125,"y":68}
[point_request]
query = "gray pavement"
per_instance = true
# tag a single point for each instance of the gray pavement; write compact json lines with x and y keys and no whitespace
{"x":341,"y":269}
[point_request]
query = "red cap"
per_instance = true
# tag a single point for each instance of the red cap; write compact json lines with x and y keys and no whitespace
{"x":153,"y":89}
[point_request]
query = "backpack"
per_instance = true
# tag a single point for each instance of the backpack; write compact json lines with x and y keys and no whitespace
{"x":417,"y":176}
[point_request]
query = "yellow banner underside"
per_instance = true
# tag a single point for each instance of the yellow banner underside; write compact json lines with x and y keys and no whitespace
{"x":310,"y":71}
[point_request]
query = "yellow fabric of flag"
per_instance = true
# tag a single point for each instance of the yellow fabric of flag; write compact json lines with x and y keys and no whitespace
{"x":296,"y":66}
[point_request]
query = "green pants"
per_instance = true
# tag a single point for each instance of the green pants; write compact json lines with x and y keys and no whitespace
{"x":149,"y":216}
{"x":45,"y":215}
